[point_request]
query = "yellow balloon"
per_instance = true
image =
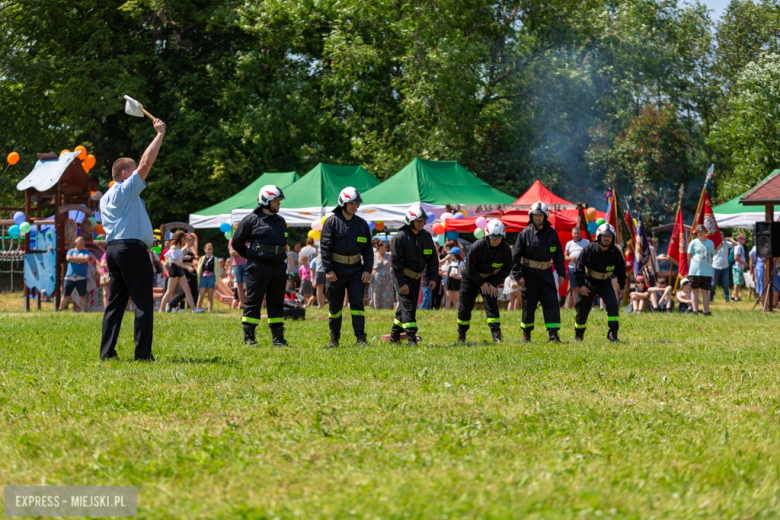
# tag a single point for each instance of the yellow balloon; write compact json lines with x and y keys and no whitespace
{"x":324,"y":219}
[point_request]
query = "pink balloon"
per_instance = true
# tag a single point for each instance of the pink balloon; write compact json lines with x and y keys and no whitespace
{"x":481,"y":222}
{"x":316,"y":225}
{"x":445,"y":216}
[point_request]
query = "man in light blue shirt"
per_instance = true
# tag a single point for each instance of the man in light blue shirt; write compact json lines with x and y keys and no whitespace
{"x":128,"y":237}
{"x":76,"y":275}
{"x":720,"y":268}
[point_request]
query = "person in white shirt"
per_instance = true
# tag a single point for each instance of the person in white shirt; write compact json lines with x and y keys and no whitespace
{"x":737,"y":271}
{"x":571,"y":253}
{"x":453,"y":265}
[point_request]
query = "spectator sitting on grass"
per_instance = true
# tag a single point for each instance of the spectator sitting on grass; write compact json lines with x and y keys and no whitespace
{"x":684,"y":296}
{"x":661,"y":296}
{"x":640,"y":298}
{"x":76,"y":276}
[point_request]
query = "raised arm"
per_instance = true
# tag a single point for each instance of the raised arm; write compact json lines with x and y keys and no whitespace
{"x":147,"y":160}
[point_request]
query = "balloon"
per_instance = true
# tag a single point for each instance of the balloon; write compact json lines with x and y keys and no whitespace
{"x":157,"y":249}
{"x":592,"y":214}
{"x":99,"y":229}
{"x":93,"y":220}
{"x":83,"y":150}
{"x":452,"y":235}
{"x":479,"y":233}
{"x":314,"y":234}
{"x":431,"y":218}
{"x":459,"y":215}
{"x":65,"y":151}
{"x":110,"y":184}
{"x":440,"y":240}
{"x":592,"y":228}
{"x":225,"y":227}
{"x":371,"y":225}
{"x":600,"y":221}
{"x":380,"y":226}
{"x":323,"y":220}
{"x":481,"y":222}
{"x":438,"y":229}
{"x":229,"y":234}
{"x":13,"y":158}
{"x":89,"y":162}
{"x":24,"y":227}
{"x":14,"y":231}
{"x":19,"y":218}
{"x":316,"y":226}
{"x":445,"y":216}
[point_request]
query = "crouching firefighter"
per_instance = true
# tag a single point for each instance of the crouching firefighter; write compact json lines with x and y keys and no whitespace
{"x":348,"y":258}
{"x":488,"y":263}
{"x":413,"y":255}
{"x":537,"y":249}
{"x":266,"y":271}
{"x":596,"y":264}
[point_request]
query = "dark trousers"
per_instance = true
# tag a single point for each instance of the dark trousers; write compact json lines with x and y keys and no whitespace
{"x":468,"y":296}
{"x":132,"y":276}
{"x":264,"y":281}
{"x":351,"y":284}
{"x":406,"y":314}
{"x":181,"y":298}
{"x":540,"y":287}
{"x":585,"y":303}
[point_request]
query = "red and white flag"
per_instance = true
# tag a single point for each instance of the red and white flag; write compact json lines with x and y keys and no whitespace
{"x":678,"y":245}
{"x":707,"y":218}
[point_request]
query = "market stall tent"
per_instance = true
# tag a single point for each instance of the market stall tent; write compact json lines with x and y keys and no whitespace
{"x":215,"y":215}
{"x":316,"y":193}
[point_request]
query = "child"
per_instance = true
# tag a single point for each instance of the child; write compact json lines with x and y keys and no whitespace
{"x":234,"y":285}
{"x":207,"y":276}
{"x":640,"y":299}
{"x":684,"y":297}
{"x":313,"y":268}
{"x":304,"y":271}
{"x":661,"y":296}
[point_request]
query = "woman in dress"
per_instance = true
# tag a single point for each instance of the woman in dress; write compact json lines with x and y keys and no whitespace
{"x":382,"y":295}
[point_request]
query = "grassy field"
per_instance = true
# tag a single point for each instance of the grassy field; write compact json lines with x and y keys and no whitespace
{"x":678,"y":421}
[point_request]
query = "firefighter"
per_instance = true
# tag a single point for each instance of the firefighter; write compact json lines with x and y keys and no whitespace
{"x":348,"y":258}
{"x":537,"y":249}
{"x":266,"y":271}
{"x":413,"y":255}
{"x":488,"y":262}
{"x":596,"y":264}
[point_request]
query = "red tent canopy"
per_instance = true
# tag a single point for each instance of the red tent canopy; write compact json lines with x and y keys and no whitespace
{"x":538,"y":192}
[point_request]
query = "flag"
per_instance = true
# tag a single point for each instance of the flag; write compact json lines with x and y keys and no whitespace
{"x":707,"y":218}
{"x":642,"y":250}
{"x":678,"y":245}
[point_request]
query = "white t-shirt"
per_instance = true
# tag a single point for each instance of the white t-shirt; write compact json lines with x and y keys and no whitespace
{"x":172,"y":255}
{"x":739,"y":252}
{"x":453,"y":268}
{"x":574,"y":249}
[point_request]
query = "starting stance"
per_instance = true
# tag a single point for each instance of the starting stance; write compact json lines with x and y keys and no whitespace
{"x":596,"y":264}
{"x":488,"y":263}
{"x":413,"y":254}
{"x":348,"y":258}
{"x":537,"y":249}
{"x":266,"y":271}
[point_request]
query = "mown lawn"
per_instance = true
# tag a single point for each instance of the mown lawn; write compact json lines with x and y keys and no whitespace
{"x":678,"y":421}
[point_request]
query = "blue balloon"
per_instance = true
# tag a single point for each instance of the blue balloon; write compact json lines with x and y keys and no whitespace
{"x":592,"y":228}
{"x":431,"y":218}
{"x":19,"y":218}
{"x":459,"y":216}
{"x":14,"y":231}
{"x":225,"y":227}
{"x":452,"y":235}
{"x":371,"y":225}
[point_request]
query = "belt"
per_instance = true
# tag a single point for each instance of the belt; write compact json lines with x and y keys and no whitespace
{"x":537,"y":265}
{"x":411,"y":274}
{"x":271,"y":250}
{"x":597,"y":275}
{"x":125,"y":241}
{"x":349,"y":260}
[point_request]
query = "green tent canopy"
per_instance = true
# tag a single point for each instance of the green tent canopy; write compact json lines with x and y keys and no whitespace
{"x":309,"y":198}
{"x":215,"y":215}
{"x":732,"y":214}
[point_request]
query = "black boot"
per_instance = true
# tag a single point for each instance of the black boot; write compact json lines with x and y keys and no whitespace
{"x":461,"y":337}
{"x":249,"y":334}
{"x":526,"y":336}
{"x":334,"y":341}
{"x":362,"y":341}
{"x":395,"y":336}
{"x":412,"y":339}
{"x":277,"y":333}
{"x":579,"y":334}
{"x":497,"y":338}
{"x":553,"y":337}
{"x":612,"y":336}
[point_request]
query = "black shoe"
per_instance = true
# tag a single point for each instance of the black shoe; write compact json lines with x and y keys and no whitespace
{"x":412,"y":340}
{"x":461,"y":337}
{"x":249,"y":334}
{"x":612,"y":336}
{"x":497,"y":337}
{"x":395,"y":337}
{"x":278,"y":337}
{"x":707,"y":314}
{"x":526,"y":336}
{"x":362,"y":341}
{"x":579,"y":334}
{"x":334,"y":342}
{"x":553,"y":337}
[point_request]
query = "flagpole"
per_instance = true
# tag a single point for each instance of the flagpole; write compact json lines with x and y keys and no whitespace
{"x":679,"y":207}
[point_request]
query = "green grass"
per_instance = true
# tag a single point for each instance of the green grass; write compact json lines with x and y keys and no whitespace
{"x":680,"y":420}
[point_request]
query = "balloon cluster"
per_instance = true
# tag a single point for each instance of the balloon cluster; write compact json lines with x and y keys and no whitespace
{"x":88,"y":161}
{"x":593,"y":224}
{"x":20,"y":227}
{"x":227,"y":229}
{"x":440,"y":229}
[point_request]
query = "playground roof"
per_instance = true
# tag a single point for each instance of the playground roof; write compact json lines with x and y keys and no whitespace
{"x":47,"y":173}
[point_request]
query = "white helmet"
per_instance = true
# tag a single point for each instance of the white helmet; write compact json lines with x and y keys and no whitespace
{"x":268,"y":193}
{"x":349,"y":194}
{"x":605,"y":229}
{"x":495,"y":228}
{"x":538,"y":208}
{"x":415,"y":212}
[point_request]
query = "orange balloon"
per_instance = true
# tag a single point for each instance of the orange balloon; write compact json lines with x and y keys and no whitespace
{"x":89,"y":162}
{"x":83,"y":150}
{"x":379,"y":226}
{"x":591,"y":214}
{"x":99,"y":229}
{"x":65,"y":151}
{"x":13,"y":158}
{"x":110,"y":184}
